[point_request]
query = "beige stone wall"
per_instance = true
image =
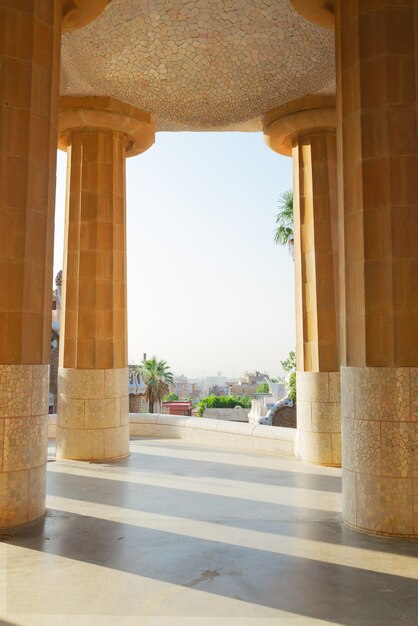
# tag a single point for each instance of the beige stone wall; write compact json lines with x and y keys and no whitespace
{"x":93,"y":408}
{"x":319,"y":417}
{"x":23,"y":442}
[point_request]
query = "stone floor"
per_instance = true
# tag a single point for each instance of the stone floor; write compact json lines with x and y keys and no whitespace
{"x":182,"y":534}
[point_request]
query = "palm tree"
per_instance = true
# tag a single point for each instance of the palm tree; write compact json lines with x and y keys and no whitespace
{"x":157,"y":377}
{"x":283,"y":233}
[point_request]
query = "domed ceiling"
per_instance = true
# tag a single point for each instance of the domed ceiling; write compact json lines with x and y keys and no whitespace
{"x":200,"y":64}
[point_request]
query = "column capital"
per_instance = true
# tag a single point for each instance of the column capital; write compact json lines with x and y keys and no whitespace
{"x":282,"y":125}
{"x":97,"y":112}
{"x":79,"y":13}
{"x":320,"y":12}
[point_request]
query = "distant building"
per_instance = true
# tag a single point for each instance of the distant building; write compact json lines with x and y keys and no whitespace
{"x":243,"y":389}
{"x":177,"y":408}
{"x":185,"y":388}
{"x":55,"y":343}
{"x":137,"y":402}
{"x":254,"y":378}
{"x":219,"y":390}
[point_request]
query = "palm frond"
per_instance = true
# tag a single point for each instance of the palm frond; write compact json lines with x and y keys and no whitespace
{"x":157,"y":377}
{"x":283,"y":234}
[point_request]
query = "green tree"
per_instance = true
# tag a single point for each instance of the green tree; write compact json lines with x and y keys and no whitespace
{"x":171,"y":397}
{"x":157,"y":377}
{"x":289,"y":366}
{"x":283,"y":233}
{"x":223,"y":402}
{"x":263,"y":388}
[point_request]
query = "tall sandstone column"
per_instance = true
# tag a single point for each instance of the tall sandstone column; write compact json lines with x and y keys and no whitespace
{"x":30,"y":42}
{"x":305,"y":129}
{"x":377,"y":83}
{"x":93,"y":408}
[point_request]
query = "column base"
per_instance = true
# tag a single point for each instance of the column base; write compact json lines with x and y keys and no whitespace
{"x":23,"y":443}
{"x":380,"y":437}
{"x":93,"y":414}
{"x":319,"y":417}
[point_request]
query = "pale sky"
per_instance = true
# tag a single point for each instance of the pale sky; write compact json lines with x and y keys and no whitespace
{"x":208,"y":290}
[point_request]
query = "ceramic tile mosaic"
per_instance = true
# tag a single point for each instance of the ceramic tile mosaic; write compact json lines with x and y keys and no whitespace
{"x":413,"y":378}
{"x":37,"y":492}
{"x":15,"y":390}
{"x":349,"y":502}
{"x":199,"y":64}
{"x":40,"y":389}
{"x":399,"y":443}
{"x":23,"y":440}
{"x":14,"y":487}
{"x":382,"y":393}
{"x":384,"y":505}
{"x":380,"y":446}
{"x":361,"y":444}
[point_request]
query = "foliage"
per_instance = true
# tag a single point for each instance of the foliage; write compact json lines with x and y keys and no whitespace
{"x":283,"y":233}
{"x":291,"y":386}
{"x":157,"y":377}
{"x":223,"y":402}
{"x":263,"y":388}
{"x":289,"y":366}
{"x":171,"y":397}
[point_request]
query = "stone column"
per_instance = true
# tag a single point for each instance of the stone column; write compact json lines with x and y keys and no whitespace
{"x":93,"y":407}
{"x":305,"y":129}
{"x":30,"y":40}
{"x":377,"y":87}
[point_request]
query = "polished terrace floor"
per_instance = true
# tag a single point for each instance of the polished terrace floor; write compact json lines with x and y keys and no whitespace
{"x":183,"y":534}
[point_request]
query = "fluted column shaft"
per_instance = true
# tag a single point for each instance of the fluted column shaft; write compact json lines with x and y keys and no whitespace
{"x":305,"y":130}
{"x":377,"y":103}
{"x":93,"y":380}
{"x":30,"y":35}
{"x":316,"y":272}
{"x":93,"y":411}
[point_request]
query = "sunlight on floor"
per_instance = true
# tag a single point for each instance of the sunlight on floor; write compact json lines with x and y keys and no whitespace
{"x":186,"y":534}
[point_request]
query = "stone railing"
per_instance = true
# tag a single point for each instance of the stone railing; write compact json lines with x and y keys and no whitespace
{"x":271,"y":439}
{"x":237,"y":414}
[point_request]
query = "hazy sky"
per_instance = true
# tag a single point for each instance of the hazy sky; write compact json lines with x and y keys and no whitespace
{"x":208,"y":290}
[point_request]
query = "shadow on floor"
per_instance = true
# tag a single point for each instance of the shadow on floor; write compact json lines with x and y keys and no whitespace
{"x":205,"y":469}
{"x":313,"y":588}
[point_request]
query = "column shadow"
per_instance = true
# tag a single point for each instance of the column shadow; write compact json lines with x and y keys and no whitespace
{"x":316,"y":589}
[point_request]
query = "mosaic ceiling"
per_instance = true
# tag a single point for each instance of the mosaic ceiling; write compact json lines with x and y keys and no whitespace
{"x":200,"y":64}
